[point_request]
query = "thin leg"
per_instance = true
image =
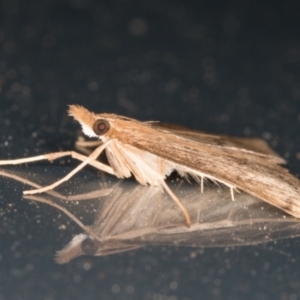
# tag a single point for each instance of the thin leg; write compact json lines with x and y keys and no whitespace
{"x":232,"y":193}
{"x":177,"y":201}
{"x":202,"y":184}
{"x":85,"y":144}
{"x":56,"y":155}
{"x":84,"y":150}
{"x":50,"y":156}
{"x":87,"y":229}
{"x":94,"y":155}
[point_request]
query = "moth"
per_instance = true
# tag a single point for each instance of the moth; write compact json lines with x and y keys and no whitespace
{"x":151,"y":151}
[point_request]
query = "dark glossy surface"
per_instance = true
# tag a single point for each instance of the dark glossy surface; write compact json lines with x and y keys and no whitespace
{"x":228,"y":68}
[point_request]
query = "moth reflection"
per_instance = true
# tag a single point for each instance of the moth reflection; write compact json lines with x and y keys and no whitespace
{"x":133,"y":216}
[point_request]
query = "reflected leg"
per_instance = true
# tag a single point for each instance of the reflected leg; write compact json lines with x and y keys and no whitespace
{"x":87,"y":229}
{"x":177,"y":201}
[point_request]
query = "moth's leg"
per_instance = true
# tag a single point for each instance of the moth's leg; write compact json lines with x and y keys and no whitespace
{"x":56,"y":155}
{"x":232,"y":193}
{"x":202,"y":184}
{"x":177,"y":201}
{"x":92,"y":157}
{"x":85,"y":150}
{"x":50,"y":156}
{"x":85,"y":144}
{"x":232,"y":190}
{"x":87,"y":229}
{"x":96,"y":164}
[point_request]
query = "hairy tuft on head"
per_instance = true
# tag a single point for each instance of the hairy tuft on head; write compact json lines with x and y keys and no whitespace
{"x":81,"y":114}
{"x":84,"y":117}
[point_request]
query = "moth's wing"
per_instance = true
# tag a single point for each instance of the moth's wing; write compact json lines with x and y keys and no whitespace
{"x":248,"y":171}
{"x":256,"y":173}
{"x":256,"y":145}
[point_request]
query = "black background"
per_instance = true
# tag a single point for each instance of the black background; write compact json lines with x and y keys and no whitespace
{"x":227,"y":67}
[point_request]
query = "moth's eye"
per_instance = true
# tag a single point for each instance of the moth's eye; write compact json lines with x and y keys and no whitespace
{"x":101,"y":127}
{"x":89,"y":246}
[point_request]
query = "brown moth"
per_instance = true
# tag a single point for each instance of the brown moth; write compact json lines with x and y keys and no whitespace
{"x":151,"y":151}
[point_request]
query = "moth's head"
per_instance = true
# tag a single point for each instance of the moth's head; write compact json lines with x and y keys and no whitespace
{"x":81,"y":244}
{"x":93,"y":125}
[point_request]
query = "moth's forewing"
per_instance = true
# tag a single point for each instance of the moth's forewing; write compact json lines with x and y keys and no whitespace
{"x":252,"y":172}
{"x":250,"y":144}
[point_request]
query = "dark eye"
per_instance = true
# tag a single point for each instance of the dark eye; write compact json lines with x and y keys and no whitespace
{"x":89,"y":247}
{"x":101,"y":126}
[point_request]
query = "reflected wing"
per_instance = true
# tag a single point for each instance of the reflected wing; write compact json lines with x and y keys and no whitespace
{"x":134,"y":216}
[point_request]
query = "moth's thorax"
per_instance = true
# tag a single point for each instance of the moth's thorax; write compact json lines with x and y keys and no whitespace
{"x":130,"y":131}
